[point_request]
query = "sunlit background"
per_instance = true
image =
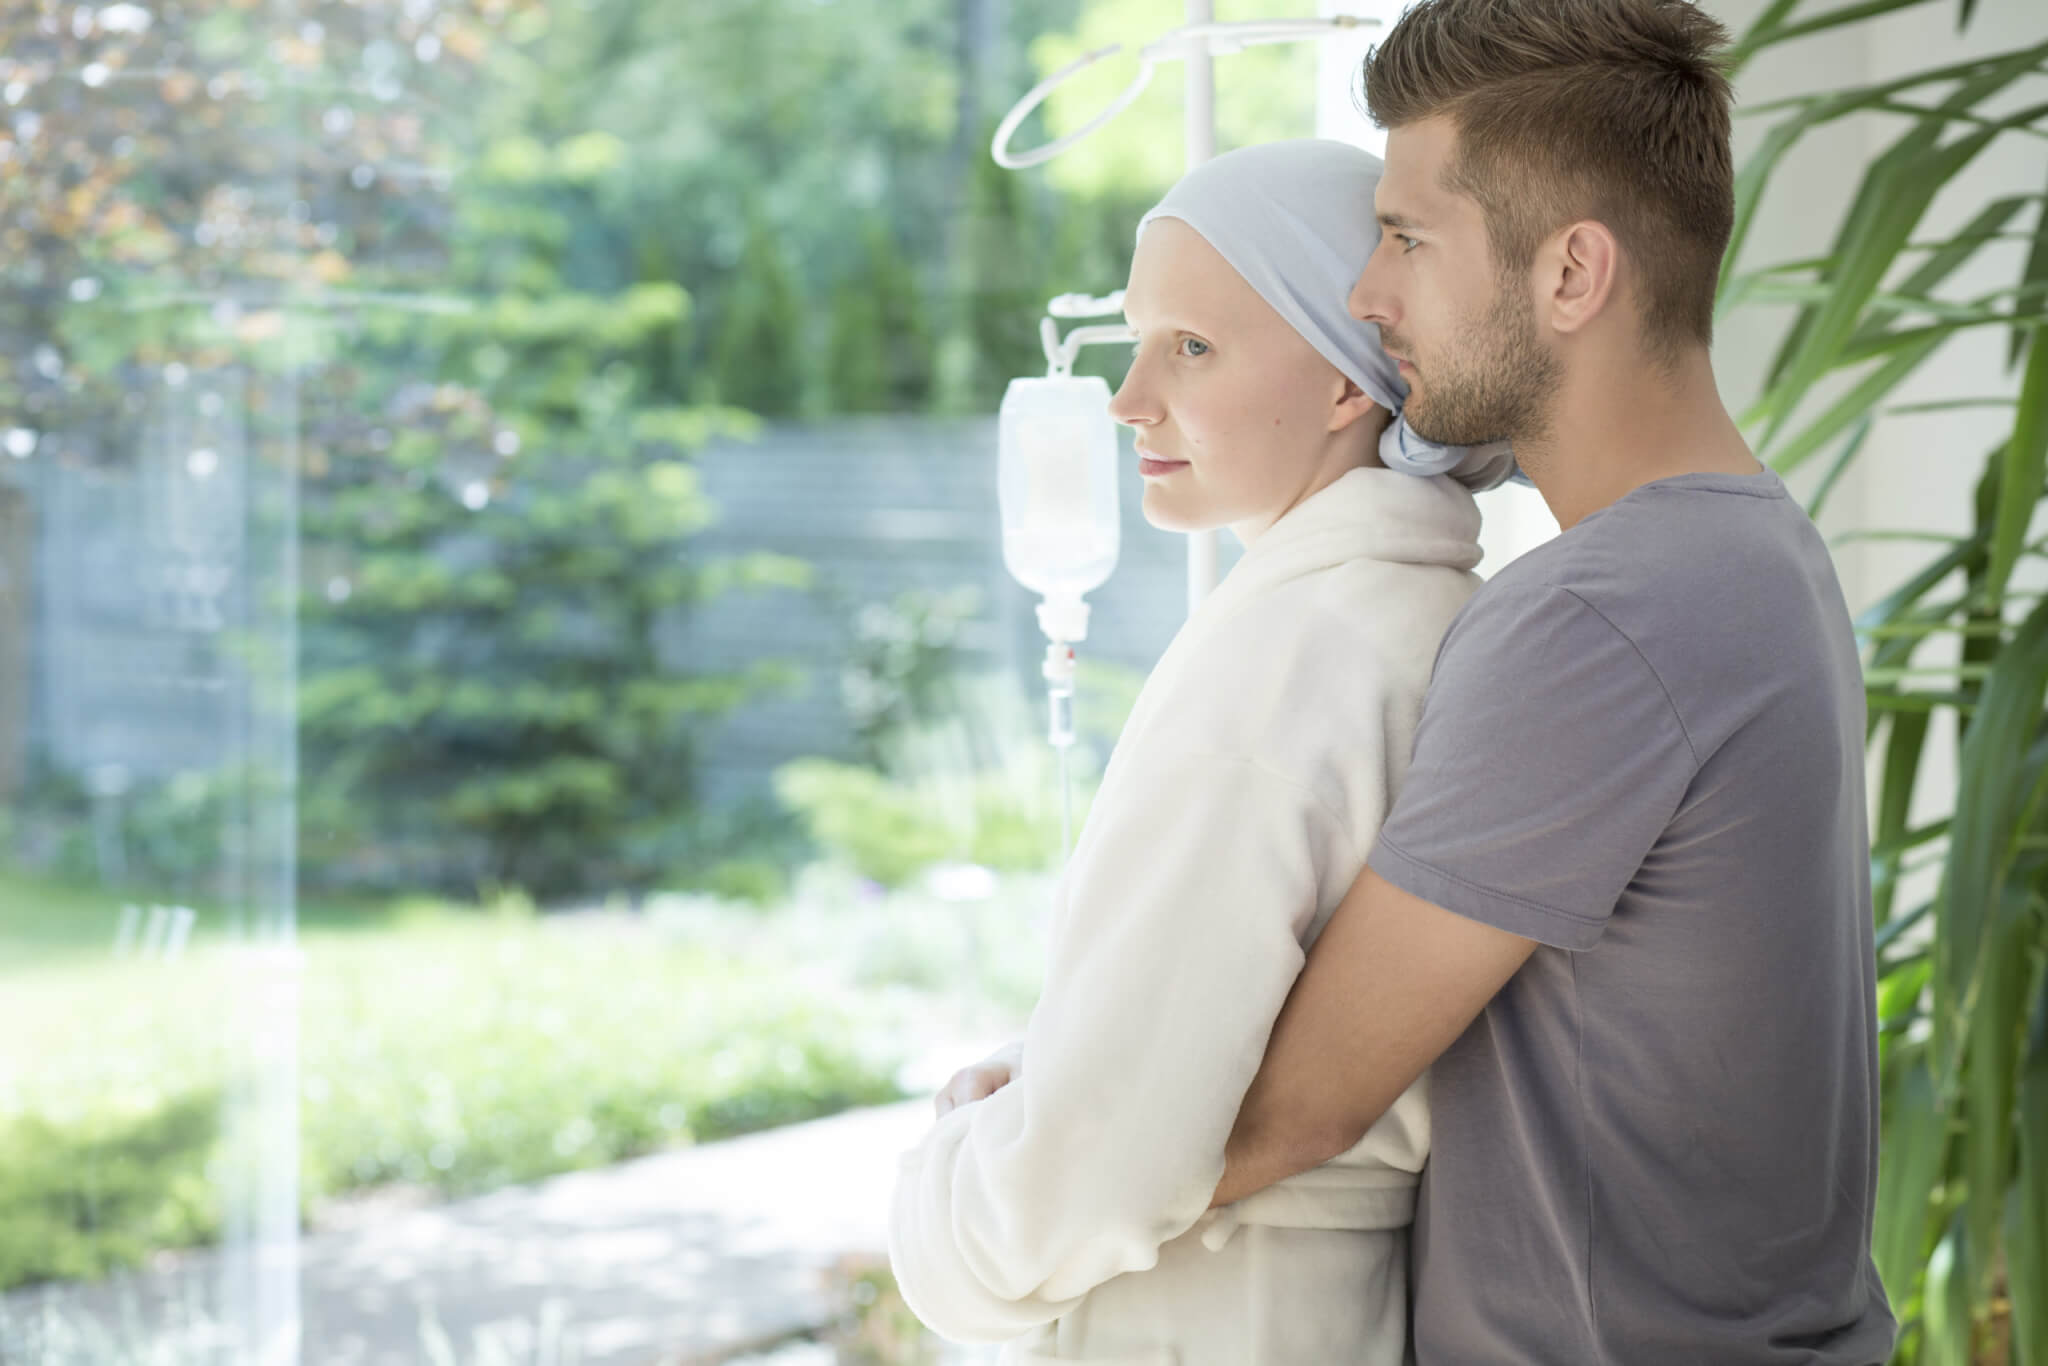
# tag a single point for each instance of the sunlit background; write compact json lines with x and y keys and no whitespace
{"x":511,"y":708}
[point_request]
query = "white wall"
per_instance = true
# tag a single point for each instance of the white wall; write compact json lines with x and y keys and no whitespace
{"x":1918,"y":471}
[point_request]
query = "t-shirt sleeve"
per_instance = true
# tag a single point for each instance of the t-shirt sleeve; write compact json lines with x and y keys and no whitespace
{"x":1548,"y":761}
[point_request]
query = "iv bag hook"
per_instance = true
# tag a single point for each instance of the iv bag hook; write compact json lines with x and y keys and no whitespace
{"x":1188,"y":40}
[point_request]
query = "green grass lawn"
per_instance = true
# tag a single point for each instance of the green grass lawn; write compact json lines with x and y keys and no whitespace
{"x":452,"y":1049}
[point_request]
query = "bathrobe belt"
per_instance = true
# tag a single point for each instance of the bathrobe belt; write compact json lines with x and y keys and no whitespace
{"x":1320,"y":1198}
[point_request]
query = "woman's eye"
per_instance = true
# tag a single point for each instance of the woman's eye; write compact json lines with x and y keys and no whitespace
{"x":1193,"y":346}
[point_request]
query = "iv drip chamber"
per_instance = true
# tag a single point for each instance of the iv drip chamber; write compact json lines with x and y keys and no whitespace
{"x":1056,"y":479}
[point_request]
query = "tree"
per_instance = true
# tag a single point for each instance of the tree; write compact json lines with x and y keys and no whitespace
{"x":881,"y":346}
{"x":184,"y":187}
{"x":487,"y":698}
{"x":760,"y":361}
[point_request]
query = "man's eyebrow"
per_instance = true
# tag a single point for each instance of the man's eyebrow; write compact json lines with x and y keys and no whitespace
{"x":1398,"y":222}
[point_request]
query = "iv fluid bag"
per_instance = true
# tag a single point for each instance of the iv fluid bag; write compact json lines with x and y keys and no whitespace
{"x":1056,"y":480}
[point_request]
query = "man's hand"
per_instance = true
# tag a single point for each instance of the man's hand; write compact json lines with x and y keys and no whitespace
{"x":1389,"y":986}
{"x":977,"y":1082}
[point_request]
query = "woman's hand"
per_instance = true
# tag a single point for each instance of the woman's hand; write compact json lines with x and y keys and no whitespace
{"x":977,"y":1082}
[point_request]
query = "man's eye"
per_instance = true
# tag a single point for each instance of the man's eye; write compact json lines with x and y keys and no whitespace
{"x":1408,"y":243}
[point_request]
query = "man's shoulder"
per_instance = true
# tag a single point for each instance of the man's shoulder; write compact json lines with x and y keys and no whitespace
{"x":1546,"y":590}
{"x":1681,"y":554}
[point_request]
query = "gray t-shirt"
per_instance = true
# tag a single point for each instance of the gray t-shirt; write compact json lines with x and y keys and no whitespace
{"x":1643,"y":748}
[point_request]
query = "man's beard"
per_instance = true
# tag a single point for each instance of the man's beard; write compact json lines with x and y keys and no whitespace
{"x":1494,"y":383}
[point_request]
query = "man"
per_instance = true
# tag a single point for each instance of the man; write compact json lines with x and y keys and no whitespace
{"x":1621,"y":904}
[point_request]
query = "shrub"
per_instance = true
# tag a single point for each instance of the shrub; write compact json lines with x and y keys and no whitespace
{"x":454,"y":1052}
{"x":980,"y":786}
{"x":96,"y":1194}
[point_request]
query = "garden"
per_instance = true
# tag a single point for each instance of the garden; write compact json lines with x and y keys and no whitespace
{"x":362,"y":372}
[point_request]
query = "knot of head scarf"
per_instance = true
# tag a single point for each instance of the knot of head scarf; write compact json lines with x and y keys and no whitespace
{"x":1296,"y":220}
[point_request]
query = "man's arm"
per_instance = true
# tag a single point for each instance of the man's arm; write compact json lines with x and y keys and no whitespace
{"x":1389,"y":985}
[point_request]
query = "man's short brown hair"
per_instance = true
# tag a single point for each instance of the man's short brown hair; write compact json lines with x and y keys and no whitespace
{"x":1615,"y":110}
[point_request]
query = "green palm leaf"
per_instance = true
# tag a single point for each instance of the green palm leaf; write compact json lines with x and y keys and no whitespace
{"x":2026,"y":1206}
{"x":1915,"y":1144}
{"x":1894,"y":197}
{"x":2036,"y":268}
{"x":1903,"y":746}
{"x":2022,"y":474}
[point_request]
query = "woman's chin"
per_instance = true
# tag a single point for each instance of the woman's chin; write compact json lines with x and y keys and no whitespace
{"x":1169,"y":513}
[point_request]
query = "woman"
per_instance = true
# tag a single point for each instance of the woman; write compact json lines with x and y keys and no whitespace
{"x":1065,"y":1211}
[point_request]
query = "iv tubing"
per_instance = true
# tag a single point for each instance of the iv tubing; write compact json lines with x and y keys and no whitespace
{"x":1066,"y":809}
{"x":1059,"y":696}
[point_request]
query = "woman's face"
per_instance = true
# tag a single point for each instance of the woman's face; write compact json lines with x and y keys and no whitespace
{"x":1238,"y":418}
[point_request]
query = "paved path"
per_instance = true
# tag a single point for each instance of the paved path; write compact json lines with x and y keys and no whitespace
{"x":695,"y":1256}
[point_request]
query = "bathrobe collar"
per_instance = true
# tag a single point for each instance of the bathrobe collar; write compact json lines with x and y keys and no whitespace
{"x":1366,"y":514}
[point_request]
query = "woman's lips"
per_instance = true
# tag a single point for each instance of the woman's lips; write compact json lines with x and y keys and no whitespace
{"x":1151,"y":465}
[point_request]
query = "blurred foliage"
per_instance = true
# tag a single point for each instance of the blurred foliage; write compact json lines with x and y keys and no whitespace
{"x":1961,"y":1221}
{"x":878,"y":1328}
{"x":160,"y":833}
{"x":978,"y":784}
{"x":887,"y":832}
{"x":901,"y":669}
{"x":486,"y":695}
{"x":1262,"y":93}
{"x":520,"y":1047}
{"x":951,"y":768}
{"x":488,"y":272}
{"x":102,"y":1192}
{"x":193,"y":188}
{"x":855,"y":251}
{"x":541,"y":1050}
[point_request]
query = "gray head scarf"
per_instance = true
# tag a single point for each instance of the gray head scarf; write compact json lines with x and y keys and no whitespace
{"x":1296,"y":220}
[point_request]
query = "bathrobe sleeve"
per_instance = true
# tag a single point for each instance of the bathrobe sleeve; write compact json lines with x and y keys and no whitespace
{"x":1175,"y":947}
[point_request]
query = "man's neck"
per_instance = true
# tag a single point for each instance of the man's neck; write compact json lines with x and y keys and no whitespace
{"x":1614,"y":429}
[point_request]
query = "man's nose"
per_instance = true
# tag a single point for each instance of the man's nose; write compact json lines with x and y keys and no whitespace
{"x":1369,"y":302}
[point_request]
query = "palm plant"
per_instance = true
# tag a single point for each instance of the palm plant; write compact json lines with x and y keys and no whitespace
{"x":1962,"y":1221}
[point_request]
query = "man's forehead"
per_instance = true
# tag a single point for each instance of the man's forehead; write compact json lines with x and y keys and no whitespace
{"x":1411,"y":189}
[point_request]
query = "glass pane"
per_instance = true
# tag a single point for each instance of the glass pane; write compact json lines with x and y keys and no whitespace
{"x":520,"y":748}
{"x":148,"y":494}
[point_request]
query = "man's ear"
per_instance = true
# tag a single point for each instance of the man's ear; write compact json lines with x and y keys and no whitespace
{"x":1577,"y":275}
{"x":1351,"y":405}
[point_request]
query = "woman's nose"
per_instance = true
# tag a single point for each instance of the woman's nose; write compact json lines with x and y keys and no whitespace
{"x":1132,"y":402}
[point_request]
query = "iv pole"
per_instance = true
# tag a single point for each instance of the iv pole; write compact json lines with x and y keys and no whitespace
{"x":1196,"y":43}
{"x":1199,"y":137}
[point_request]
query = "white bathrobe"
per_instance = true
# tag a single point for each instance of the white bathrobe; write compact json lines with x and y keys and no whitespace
{"x":1066,"y":1213}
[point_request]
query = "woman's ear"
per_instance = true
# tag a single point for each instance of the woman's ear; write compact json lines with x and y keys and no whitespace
{"x":1351,"y":405}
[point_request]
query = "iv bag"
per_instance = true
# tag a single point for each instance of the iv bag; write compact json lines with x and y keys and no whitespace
{"x":1056,"y":480}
